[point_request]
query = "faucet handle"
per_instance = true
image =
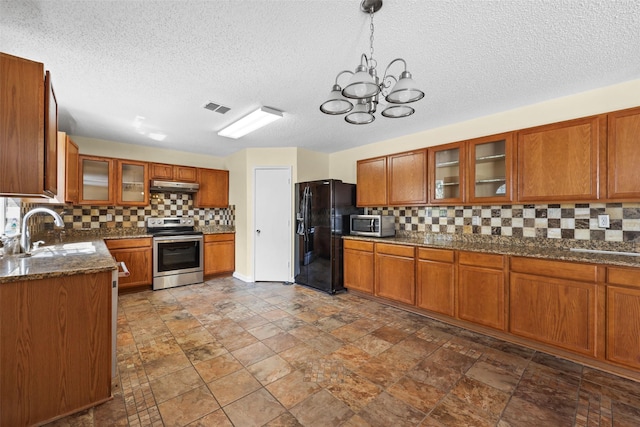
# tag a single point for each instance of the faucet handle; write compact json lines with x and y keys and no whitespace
{"x":36,"y":244}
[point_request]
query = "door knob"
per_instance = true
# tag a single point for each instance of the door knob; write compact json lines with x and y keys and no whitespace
{"x":258,"y":231}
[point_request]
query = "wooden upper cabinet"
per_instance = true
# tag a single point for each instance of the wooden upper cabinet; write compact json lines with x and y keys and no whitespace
{"x":71,"y":163}
{"x":623,"y":149}
{"x":408,"y":178}
{"x":214,"y":188}
{"x":560,"y":162}
{"x":167,"y":172}
{"x":490,"y":165}
{"x":132,"y":179}
{"x":447,"y":173}
{"x":28,"y":129}
{"x":371,"y":189}
{"x":97,"y":178}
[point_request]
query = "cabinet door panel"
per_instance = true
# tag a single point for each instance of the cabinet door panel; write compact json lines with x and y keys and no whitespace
{"x":139,"y":261}
{"x":408,"y":178}
{"x":395,"y":278}
{"x":435,"y":286}
{"x":71,"y":171}
{"x":623,"y":326}
{"x":161,"y":171}
{"x":185,"y":173}
{"x":98,"y":176}
{"x":50,"y":138}
{"x":214,"y":188}
{"x":219,"y":257}
{"x":559,"y":162}
{"x":624,"y":155}
{"x":358,"y":270}
{"x":372,"y":182}
{"x":447,"y":165}
{"x":481,"y":296}
{"x":132,"y":183}
{"x":490,"y":167}
{"x":554,"y":311}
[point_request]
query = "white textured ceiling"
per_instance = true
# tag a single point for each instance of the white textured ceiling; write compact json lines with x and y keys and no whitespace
{"x":112,"y":61}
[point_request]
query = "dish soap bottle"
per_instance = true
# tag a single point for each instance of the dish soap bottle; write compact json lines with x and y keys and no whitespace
{"x":11,"y":228}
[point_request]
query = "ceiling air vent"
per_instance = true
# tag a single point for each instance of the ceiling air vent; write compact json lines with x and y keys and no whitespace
{"x":216,"y":107}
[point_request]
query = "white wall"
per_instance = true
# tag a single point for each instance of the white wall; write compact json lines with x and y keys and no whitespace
{"x":101,"y":147}
{"x":610,"y":98}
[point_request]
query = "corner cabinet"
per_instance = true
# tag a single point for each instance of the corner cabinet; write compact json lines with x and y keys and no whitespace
{"x":137,"y":254}
{"x":560,"y":162}
{"x":623,"y":176}
{"x":97,"y":178}
{"x":133,"y":183}
{"x":371,"y":189}
{"x":447,"y":170}
{"x":219,"y":254}
{"x":358,"y":266}
{"x":214,"y":188}
{"x":28,"y":129}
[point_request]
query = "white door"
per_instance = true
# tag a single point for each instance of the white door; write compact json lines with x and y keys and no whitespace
{"x":272,"y":224}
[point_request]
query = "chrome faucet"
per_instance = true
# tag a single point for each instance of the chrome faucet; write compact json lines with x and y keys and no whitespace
{"x":25,"y":237}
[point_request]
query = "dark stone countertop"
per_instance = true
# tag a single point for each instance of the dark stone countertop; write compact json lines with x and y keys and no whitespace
{"x":74,"y":252}
{"x":610,"y":253}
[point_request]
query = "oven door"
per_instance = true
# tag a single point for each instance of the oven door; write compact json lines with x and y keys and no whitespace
{"x":177,"y":255}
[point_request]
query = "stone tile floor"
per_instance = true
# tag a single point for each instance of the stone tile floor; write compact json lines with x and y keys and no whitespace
{"x":229,"y":353}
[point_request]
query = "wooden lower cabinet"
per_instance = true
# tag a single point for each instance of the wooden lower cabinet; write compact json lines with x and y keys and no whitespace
{"x":55,"y":347}
{"x":219,"y":253}
{"x":137,"y":254}
{"x":560,"y":311}
{"x":395,"y":272}
{"x":623,"y":316}
{"x":481,"y":289}
{"x":358,"y":266}
{"x":435,"y":280}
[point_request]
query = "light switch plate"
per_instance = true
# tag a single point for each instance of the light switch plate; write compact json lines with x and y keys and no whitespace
{"x":603,"y":221}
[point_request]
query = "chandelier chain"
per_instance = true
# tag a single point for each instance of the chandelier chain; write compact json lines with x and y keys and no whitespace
{"x":371,"y":37}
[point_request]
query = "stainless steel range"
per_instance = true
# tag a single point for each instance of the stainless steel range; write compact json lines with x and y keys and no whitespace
{"x":177,"y":252}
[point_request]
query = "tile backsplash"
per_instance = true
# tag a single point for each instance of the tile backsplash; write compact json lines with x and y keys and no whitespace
{"x":552,"y":221}
{"x":161,"y":204}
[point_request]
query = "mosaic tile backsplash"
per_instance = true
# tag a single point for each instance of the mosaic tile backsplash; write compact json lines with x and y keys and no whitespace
{"x":161,"y":204}
{"x":552,"y":221}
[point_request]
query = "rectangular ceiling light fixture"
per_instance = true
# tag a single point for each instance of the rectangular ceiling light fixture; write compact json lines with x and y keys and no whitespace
{"x":255,"y":120}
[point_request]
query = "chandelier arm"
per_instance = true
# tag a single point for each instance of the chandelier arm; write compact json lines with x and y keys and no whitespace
{"x":341,"y":73}
{"x":391,"y":63}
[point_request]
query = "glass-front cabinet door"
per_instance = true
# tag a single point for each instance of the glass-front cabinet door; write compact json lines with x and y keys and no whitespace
{"x":490,"y":168}
{"x":133,"y":183}
{"x":96,"y":180}
{"x":447,"y":174}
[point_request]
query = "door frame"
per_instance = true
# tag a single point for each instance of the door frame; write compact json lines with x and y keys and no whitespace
{"x":289,"y":208}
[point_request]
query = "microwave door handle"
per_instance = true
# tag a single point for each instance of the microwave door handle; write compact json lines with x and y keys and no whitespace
{"x":372,"y":225}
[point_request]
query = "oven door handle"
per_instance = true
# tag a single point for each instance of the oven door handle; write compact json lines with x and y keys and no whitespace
{"x":175,"y":239}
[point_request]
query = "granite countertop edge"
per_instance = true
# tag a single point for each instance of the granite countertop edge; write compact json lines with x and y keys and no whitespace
{"x":529,"y":251}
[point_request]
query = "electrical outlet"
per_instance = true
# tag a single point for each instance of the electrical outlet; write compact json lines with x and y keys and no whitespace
{"x":109,"y":217}
{"x":603,"y":221}
{"x":475,"y":220}
{"x":443,"y":213}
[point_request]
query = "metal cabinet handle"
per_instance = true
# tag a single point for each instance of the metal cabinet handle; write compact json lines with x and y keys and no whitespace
{"x":258,"y":231}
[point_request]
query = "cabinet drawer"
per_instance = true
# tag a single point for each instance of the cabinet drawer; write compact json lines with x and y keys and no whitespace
{"x":481,"y":260}
{"x":221,"y":237}
{"x":398,"y":250}
{"x":556,"y":269}
{"x":142,"y":242}
{"x":624,"y":276}
{"x":358,"y":245}
{"x":441,"y":255}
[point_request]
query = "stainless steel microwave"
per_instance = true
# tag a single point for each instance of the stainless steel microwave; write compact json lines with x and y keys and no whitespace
{"x":373,"y":225}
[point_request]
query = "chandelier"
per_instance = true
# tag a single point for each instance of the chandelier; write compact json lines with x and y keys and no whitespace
{"x":364,"y":86}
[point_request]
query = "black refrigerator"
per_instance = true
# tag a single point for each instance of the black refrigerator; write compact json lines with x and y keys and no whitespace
{"x":322,"y":218}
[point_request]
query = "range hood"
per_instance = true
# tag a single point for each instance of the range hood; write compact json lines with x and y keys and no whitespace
{"x":173,"y":187}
